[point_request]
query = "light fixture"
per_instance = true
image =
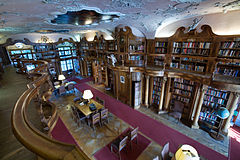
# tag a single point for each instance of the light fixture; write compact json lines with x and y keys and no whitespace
{"x":88,"y":21}
{"x":87,"y":94}
{"x":186,"y":152}
{"x":61,"y":77}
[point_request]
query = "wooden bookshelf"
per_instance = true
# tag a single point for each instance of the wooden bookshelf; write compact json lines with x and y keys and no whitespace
{"x":192,"y":48}
{"x":111,"y":46}
{"x":161,"y":47}
{"x":184,"y":91}
{"x":229,"y":49}
{"x":192,"y":64}
{"x":156,"y":93}
{"x":213,"y":99}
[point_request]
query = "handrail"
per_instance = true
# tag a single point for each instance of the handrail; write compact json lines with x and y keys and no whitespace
{"x":31,"y":137}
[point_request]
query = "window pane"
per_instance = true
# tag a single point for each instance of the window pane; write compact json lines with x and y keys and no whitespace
{"x":69,"y":64}
{"x":63,"y":65}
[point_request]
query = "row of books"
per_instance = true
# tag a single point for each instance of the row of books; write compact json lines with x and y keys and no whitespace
{"x":187,"y":67}
{"x":155,"y":96}
{"x":206,"y":116}
{"x":181,"y":80}
{"x":227,"y":72}
{"x":230,"y":63}
{"x":196,"y":52}
{"x":157,"y":92}
{"x":212,"y":105}
{"x":135,"y":58}
{"x":156,"y":89}
{"x":176,"y":50}
{"x":179,"y":91}
{"x":231,"y":53}
{"x":205,"y":45}
{"x":216,"y":93}
{"x":183,"y":86}
{"x":193,"y":60}
{"x":214,"y":99}
{"x":161,"y":50}
{"x":230,"y":45}
{"x":158,"y":62}
{"x":180,"y":98}
{"x":174,"y":65}
{"x":85,"y":47}
{"x":157,"y":80}
{"x":136,"y":47}
{"x":156,"y":101}
{"x":161,"y":44}
{"x":177,"y":44}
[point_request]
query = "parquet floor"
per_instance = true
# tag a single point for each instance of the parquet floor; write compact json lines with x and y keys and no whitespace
{"x":13,"y":85}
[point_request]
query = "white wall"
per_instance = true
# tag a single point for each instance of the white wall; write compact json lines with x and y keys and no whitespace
{"x":221,"y":24}
{"x":34,"y":37}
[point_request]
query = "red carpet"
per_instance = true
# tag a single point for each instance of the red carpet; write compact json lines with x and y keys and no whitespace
{"x":234,"y":147}
{"x":131,"y":154}
{"x":79,"y":81}
{"x":157,"y":131}
{"x":61,"y":133}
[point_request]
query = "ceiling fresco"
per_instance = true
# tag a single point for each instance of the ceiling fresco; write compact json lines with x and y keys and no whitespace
{"x":28,"y":16}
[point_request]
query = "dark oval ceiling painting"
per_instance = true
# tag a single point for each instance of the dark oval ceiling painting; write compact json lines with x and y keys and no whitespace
{"x":84,"y":17}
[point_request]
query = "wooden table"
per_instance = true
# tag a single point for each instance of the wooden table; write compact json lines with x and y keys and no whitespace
{"x":85,"y":108}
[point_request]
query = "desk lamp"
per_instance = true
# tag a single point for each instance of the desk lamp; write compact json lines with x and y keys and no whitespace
{"x":87,"y":94}
{"x":61,"y":77}
{"x":222,"y":113}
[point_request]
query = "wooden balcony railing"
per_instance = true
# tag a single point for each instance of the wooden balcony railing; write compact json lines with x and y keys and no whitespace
{"x":36,"y":141}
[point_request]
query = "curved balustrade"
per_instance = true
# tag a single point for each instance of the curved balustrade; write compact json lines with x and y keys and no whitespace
{"x":32,"y":138}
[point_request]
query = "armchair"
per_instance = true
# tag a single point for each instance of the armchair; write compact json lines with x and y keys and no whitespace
{"x":177,"y":110}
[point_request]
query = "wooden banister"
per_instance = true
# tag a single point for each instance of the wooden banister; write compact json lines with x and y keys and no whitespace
{"x":32,"y":138}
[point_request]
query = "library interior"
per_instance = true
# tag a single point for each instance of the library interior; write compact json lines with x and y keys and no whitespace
{"x":120,"y":79}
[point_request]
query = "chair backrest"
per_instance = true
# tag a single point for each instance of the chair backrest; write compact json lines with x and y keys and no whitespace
{"x":95,"y":118}
{"x":70,"y":87}
{"x":165,"y":151}
{"x":123,"y":143}
{"x":104,"y":113}
{"x":134,"y":133}
{"x":76,"y":99}
{"x":178,"y":106}
{"x":101,"y":101}
{"x":62,"y":90}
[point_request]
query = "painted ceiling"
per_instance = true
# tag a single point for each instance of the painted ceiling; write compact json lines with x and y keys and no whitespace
{"x":28,"y":16}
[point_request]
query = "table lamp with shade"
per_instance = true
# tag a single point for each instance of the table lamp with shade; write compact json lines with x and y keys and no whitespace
{"x":61,"y":77}
{"x":222,"y":113}
{"x":186,"y":152}
{"x":87,"y":94}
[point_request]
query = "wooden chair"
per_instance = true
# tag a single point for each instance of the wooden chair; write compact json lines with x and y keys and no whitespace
{"x":177,"y":110}
{"x":165,"y":152}
{"x":70,"y":88}
{"x":77,"y":116}
{"x":119,"y":144}
{"x":133,"y":135}
{"x":62,"y":90}
{"x":104,"y":115}
{"x":95,"y":118}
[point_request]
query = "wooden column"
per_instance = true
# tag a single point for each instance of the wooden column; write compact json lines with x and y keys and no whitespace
{"x":199,"y":106}
{"x":146,"y":90}
{"x":151,"y":90}
{"x":117,"y":84}
{"x":160,"y":110}
{"x":231,"y":111}
{"x":168,"y":94}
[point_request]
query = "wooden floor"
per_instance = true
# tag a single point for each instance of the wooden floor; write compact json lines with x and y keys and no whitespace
{"x":12,"y":86}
